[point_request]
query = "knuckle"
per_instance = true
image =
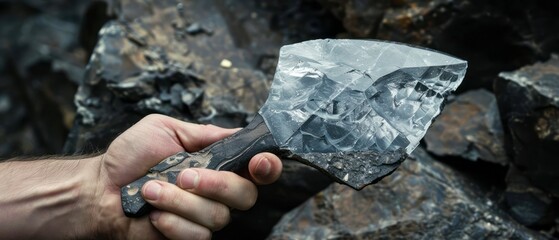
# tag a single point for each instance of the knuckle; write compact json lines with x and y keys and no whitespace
{"x":174,"y":199}
{"x":204,"y":234}
{"x":207,"y":126}
{"x":250,"y":195}
{"x":163,"y":195}
{"x":166,"y":223}
{"x":219,"y":186}
{"x":172,"y":226}
{"x":168,"y":197}
{"x":220,"y":217}
{"x":251,"y":198}
{"x":152,"y":117}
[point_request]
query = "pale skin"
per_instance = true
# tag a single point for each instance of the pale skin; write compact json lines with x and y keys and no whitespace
{"x":80,"y":198}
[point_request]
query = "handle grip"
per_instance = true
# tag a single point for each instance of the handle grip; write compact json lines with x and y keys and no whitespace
{"x":230,"y":154}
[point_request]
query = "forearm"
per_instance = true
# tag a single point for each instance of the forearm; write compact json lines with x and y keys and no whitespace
{"x":47,"y":198}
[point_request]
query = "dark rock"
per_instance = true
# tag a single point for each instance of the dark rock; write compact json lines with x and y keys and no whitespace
{"x":299,"y":20}
{"x":423,"y":199}
{"x":297,"y":184}
{"x":262,"y":27}
{"x":147,"y":62}
{"x":143,"y":63}
{"x":95,"y":15}
{"x":492,"y":35}
{"x":51,"y":64}
{"x":17,"y":133}
{"x":61,"y":8}
{"x":196,"y":28}
{"x":528,"y":205}
{"x":529,"y":106}
{"x":360,"y":18}
{"x":170,"y":64}
{"x":469,"y":127}
{"x":42,"y":64}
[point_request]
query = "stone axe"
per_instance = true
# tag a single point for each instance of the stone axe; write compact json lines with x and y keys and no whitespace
{"x":354,"y":109}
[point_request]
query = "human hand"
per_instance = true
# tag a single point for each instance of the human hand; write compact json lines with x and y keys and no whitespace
{"x":201,"y":200}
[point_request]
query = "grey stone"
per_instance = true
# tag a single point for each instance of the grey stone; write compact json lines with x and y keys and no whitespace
{"x":470,"y":127}
{"x":422,"y":200}
{"x":527,"y":204}
{"x":528,"y":101}
{"x":143,"y":64}
{"x":491,"y":35}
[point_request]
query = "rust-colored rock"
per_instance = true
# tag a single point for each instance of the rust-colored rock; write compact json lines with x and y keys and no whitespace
{"x":422,"y":200}
{"x":469,"y":127}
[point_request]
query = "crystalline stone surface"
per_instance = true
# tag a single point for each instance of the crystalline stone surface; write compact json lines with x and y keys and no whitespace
{"x":332,"y":96}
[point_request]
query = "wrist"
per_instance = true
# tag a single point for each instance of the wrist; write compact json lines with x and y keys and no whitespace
{"x":51,"y":198}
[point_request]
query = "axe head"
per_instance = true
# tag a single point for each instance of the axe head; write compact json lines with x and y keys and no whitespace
{"x":355,"y":108}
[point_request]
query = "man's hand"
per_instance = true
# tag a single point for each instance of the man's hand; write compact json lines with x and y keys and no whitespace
{"x":191,"y":214}
{"x":81,"y":198}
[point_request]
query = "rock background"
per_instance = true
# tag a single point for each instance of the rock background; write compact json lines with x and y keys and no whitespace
{"x":74,"y":74}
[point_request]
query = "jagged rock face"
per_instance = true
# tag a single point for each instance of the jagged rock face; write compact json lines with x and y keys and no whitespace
{"x":528,"y":100}
{"x":423,"y":199}
{"x":181,"y":58}
{"x":158,"y":64}
{"x":469,"y":127}
{"x":529,"y":104}
{"x":45,"y":46}
{"x":527,"y":204}
{"x":297,"y":184}
{"x":492,"y":35}
{"x":41,"y":64}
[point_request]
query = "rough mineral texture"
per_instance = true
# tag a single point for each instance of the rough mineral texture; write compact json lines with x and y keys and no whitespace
{"x":492,"y":35}
{"x":182,"y":59}
{"x":529,"y":104}
{"x":469,"y":127}
{"x":422,"y":200}
{"x":527,"y":204}
{"x":44,"y":46}
{"x":154,"y":64}
{"x":41,"y":64}
{"x":297,"y":184}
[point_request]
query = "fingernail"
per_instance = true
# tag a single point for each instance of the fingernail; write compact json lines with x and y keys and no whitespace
{"x":263,"y":167}
{"x":189,"y":179}
{"x":154,"y":215}
{"x":152,"y":190}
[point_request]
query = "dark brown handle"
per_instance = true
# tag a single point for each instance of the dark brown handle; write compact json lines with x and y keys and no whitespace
{"x":230,"y":154}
